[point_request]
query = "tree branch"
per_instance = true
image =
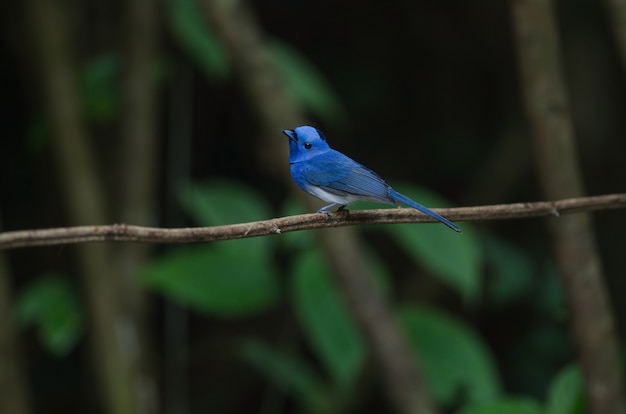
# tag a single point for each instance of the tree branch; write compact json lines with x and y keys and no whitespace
{"x":131,"y":233}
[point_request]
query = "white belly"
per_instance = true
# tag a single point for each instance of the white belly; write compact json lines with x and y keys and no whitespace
{"x":331,"y":197}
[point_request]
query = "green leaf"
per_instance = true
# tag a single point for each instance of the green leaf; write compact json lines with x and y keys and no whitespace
{"x":289,"y":373}
{"x":455,"y":258}
{"x":51,"y":304}
{"x":380,"y":271}
{"x":217,"y":202}
{"x":38,"y":133}
{"x":549,"y":294}
{"x":100,"y":88}
{"x":511,"y":271}
{"x":218,"y":280}
{"x":323,"y":316}
{"x":300,"y":240}
{"x":453,"y":358}
{"x":194,"y":35}
{"x":505,"y":406}
{"x":307,"y":85}
{"x":565,"y":395}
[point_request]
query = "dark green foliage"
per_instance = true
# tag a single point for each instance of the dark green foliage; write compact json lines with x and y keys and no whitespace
{"x":290,"y":374}
{"x":565,"y":394}
{"x":512,"y":271}
{"x":325,"y":320}
{"x":454,"y":258}
{"x":100,"y":88}
{"x":233,"y":278}
{"x":455,"y":361}
{"x":240,"y":278}
{"x":509,"y":405}
{"x":194,"y":35}
{"x":306,"y":84}
{"x":51,"y":305}
{"x":219,"y":280}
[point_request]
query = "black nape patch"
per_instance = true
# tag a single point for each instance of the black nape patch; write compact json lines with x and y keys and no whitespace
{"x":322,"y":136}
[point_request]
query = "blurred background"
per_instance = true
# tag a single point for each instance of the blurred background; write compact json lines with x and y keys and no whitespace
{"x":168,"y":114}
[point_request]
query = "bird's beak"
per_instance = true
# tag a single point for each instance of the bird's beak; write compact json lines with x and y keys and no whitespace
{"x":291,"y":134}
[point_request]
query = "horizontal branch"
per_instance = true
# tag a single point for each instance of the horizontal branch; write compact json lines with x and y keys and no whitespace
{"x":131,"y":233}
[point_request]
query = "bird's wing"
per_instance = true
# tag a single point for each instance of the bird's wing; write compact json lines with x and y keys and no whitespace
{"x":339,"y":174}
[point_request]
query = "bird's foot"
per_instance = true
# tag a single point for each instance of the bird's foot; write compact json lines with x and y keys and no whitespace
{"x":327,"y":212}
{"x":326,"y":209}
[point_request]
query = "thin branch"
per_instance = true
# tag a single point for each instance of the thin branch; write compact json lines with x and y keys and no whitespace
{"x":131,"y":233}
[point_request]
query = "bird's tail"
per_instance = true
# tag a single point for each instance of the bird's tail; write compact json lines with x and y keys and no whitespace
{"x":406,"y":200}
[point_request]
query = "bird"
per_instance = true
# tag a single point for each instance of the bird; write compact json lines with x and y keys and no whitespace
{"x":337,"y":179}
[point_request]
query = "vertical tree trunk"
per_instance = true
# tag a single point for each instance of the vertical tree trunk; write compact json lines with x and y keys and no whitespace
{"x":557,"y":162}
{"x":375,"y":316}
{"x":136,"y":181}
{"x":13,"y":385}
{"x":616,"y":12}
{"x":112,"y":339}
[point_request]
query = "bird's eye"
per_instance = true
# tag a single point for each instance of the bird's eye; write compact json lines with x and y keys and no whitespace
{"x":308,"y":145}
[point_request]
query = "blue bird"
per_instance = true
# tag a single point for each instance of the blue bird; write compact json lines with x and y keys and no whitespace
{"x":335,"y":178}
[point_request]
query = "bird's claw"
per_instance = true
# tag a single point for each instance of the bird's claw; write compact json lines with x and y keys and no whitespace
{"x":326,"y":210}
{"x":328,"y":213}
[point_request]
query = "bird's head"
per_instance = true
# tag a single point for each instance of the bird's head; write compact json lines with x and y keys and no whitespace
{"x":305,"y":142}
